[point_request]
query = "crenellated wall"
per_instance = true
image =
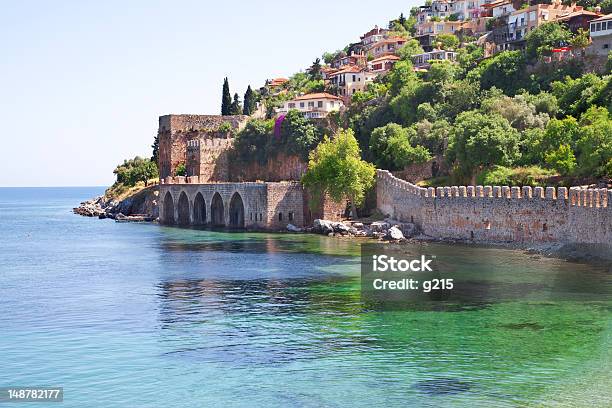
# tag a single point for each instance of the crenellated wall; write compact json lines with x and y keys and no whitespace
{"x":175,"y":131}
{"x":494,"y":213}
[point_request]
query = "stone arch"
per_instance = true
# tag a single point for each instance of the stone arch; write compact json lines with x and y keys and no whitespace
{"x":199,"y":210}
{"x":217,"y":217}
{"x":236,"y":211}
{"x":183,"y":209}
{"x":168,"y":209}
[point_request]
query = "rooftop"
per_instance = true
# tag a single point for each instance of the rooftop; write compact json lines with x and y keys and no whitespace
{"x":386,"y":58}
{"x":318,"y":95}
{"x":606,"y":17}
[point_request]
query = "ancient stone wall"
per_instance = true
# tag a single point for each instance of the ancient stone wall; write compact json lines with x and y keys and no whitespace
{"x":176,"y":130}
{"x":186,"y":201}
{"x":423,"y":171}
{"x":278,"y":168}
{"x":285,"y":204}
{"x":209,"y":159}
{"x":504,"y":214}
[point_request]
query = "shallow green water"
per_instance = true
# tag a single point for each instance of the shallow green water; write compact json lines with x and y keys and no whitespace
{"x":140,"y":315}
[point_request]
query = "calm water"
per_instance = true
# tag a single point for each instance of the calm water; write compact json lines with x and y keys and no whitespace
{"x":137,"y":315}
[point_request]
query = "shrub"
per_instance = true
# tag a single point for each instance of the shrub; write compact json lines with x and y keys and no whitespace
{"x":520,"y":176}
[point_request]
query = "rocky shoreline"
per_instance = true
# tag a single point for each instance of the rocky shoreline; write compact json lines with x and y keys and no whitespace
{"x":139,"y":207}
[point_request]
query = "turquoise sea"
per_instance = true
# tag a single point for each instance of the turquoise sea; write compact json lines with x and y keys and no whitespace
{"x":138,"y":315}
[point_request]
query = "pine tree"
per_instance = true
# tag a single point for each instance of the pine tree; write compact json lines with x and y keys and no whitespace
{"x":249,"y":102}
{"x":402,"y":19}
{"x":226,"y":99}
{"x":236,"y":107}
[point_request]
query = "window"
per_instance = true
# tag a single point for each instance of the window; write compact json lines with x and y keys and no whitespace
{"x":319,"y":104}
{"x":280,"y":216}
{"x":598,"y":27}
{"x":354,"y":78}
{"x":605,"y":46}
{"x":292,"y":106}
{"x":301,"y":104}
{"x":354,"y":88}
{"x":260,"y":217}
{"x":311,"y":104}
{"x":592,"y":27}
{"x":609,"y":25}
{"x":290,"y":216}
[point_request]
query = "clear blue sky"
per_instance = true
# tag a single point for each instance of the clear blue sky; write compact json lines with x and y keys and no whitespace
{"x":84,"y":82}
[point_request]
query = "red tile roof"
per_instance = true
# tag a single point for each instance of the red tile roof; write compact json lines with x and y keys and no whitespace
{"x":319,"y":95}
{"x":386,"y":58}
{"x":607,"y":16}
{"x":352,"y":69}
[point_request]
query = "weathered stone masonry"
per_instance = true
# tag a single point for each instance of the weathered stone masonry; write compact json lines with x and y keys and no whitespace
{"x":176,"y":130}
{"x":184,"y":201}
{"x":494,"y":213}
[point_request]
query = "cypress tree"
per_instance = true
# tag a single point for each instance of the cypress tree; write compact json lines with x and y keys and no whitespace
{"x":226,"y":99}
{"x":155,"y":146}
{"x":236,"y":107}
{"x":249,"y":102}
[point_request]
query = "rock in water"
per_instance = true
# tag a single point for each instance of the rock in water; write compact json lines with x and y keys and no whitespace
{"x":293,"y":228}
{"x":379,"y":226}
{"x":323,"y":226}
{"x":394,"y":234}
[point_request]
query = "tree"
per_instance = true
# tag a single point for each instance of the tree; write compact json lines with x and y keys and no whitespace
{"x":595,"y":142}
{"x":226,"y":99}
{"x":250,"y":103}
{"x":544,"y":38}
{"x":135,"y":170}
{"x":335,"y":168}
{"x":561,"y":159}
{"x":390,"y":145}
{"x":181,"y":170}
{"x":581,"y":39}
{"x":447,"y":41}
{"x":505,"y":71}
{"x":236,"y":106}
{"x":155,"y":147}
{"x":409,"y":49}
{"x":477,"y":141}
{"x":315,"y":70}
{"x":298,"y":134}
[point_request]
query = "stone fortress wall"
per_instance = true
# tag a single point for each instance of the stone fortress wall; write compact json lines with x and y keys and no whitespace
{"x":187,"y":202}
{"x":502,"y":214}
{"x":198,"y":142}
{"x":176,"y":130}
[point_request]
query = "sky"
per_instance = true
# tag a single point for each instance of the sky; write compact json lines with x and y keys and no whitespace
{"x":83,"y":83}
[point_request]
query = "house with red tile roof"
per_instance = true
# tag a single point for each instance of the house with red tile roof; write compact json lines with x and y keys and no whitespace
{"x":314,"y":105}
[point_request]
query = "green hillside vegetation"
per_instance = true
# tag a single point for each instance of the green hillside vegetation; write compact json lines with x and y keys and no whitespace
{"x":508,"y":119}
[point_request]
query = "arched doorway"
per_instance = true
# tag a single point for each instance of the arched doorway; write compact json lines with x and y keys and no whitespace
{"x":236,"y":210}
{"x":199,"y":210}
{"x":216,"y":211}
{"x":183,"y":209}
{"x":168,"y":209}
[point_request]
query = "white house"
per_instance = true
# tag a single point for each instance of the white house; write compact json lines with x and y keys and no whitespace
{"x":601,"y":34}
{"x":351,"y":79}
{"x":315,"y":105}
{"x":425,"y":59}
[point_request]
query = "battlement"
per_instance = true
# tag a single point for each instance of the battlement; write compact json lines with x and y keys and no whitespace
{"x":195,"y":144}
{"x":574,"y":196}
{"x":500,"y":213}
{"x":208,"y":123}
